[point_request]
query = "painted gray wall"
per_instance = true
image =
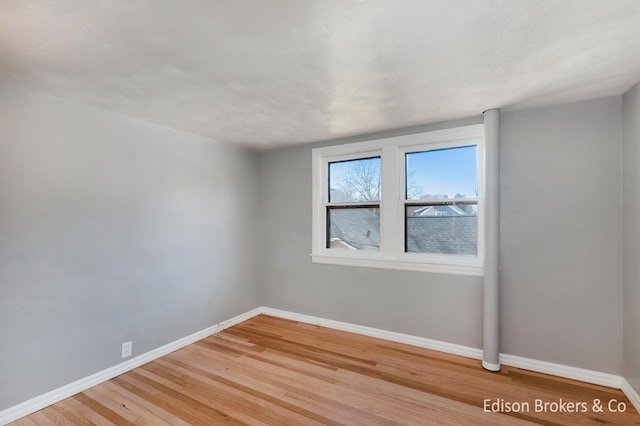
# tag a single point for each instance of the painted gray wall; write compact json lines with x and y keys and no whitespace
{"x":560,"y":228}
{"x":560,"y":249}
{"x":631,"y":235}
{"x":112,"y":229}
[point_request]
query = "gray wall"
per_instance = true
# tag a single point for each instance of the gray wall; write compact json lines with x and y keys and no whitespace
{"x":631,"y":235}
{"x":112,"y":229}
{"x":560,"y":234}
{"x":560,"y":280}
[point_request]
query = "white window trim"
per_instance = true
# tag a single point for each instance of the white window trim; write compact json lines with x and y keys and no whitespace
{"x":391,"y":254}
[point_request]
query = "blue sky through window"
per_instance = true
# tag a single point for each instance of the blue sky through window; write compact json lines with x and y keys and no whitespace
{"x":440,"y":173}
{"x":443,"y":172}
{"x":356,"y":180}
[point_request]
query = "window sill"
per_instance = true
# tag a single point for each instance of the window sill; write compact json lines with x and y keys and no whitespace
{"x":473,"y":270}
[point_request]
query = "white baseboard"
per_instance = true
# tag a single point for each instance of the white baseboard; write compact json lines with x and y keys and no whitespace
{"x":56,"y":395}
{"x":422,"y":342}
{"x":631,"y":393}
{"x":575,"y":373}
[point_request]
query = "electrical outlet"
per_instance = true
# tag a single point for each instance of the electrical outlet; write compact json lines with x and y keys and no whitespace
{"x":127,"y":348}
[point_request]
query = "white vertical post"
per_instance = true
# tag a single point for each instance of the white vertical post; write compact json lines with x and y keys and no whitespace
{"x":491,"y":324}
{"x":390,"y":236}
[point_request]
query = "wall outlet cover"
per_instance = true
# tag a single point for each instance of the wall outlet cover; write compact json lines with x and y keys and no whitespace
{"x":127,"y":349}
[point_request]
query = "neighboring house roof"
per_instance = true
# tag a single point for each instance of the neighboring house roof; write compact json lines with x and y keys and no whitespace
{"x":440,"y":211}
{"x":442,"y":234}
{"x":359,"y":228}
{"x":338,"y":196}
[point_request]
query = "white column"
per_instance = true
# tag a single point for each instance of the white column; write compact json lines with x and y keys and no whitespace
{"x":491,"y":324}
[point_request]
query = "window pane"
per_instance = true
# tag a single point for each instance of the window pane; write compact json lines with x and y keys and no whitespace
{"x":355,"y":180}
{"x":443,"y":173}
{"x":442,"y":229}
{"x":353,"y":228}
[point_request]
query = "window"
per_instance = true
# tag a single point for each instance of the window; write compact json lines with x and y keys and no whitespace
{"x":441,"y":201}
{"x":353,"y":207}
{"x":411,"y":202}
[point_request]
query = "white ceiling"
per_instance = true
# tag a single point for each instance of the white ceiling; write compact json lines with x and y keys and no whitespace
{"x":272,"y":73}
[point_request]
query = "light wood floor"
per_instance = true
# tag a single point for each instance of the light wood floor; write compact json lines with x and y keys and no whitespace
{"x":273,"y":371}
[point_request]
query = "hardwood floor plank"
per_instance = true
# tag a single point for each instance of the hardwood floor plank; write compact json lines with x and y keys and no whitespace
{"x":71,"y":415}
{"x":145,"y":411}
{"x":216,"y":393}
{"x":268,"y":370}
{"x":41,"y":419}
{"x":293,"y":412}
{"x":55,"y":416}
{"x":183,"y":406}
{"x":90,"y":398}
{"x":25,"y":421}
{"x":72,"y":404}
{"x":273,"y":383}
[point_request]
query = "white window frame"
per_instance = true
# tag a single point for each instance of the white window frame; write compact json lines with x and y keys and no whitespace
{"x":392,"y":204}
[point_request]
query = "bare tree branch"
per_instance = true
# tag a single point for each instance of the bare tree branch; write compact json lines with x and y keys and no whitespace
{"x":362,"y":181}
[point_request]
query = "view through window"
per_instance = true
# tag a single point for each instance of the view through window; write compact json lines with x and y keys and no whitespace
{"x":412,"y":202}
{"x":353,"y":213}
{"x":441,"y":201}
{"x":440,"y":197}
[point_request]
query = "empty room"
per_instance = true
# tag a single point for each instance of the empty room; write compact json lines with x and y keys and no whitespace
{"x":320,"y":212}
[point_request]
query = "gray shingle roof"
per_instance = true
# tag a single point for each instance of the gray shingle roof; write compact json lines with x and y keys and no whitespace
{"x":357,"y":227}
{"x":360,"y":228}
{"x":442,"y":234}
